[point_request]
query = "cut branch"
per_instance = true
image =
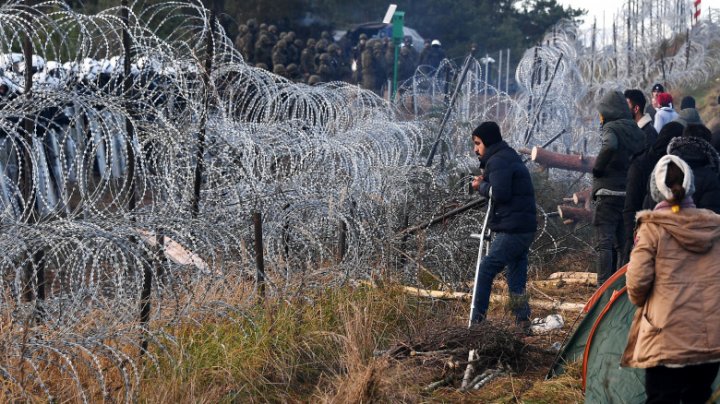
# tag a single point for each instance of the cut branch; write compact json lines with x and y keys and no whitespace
{"x":572,"y":162}
{"x":575,"y":214}
{"x":582,"y":197}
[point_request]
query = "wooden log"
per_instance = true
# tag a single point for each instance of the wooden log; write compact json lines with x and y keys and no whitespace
{"x":575,"y":214}
{"x":573,"y":275}
{"x":491,"y":374}
{"x":469,"y":370}
{"x":439,"y":294}
{"x":442,"y":352}
{"x":524,"y":150}
{"x":580,"y":197}
{"x":559,"y":283}
{"x":436,"y":294}
{"x":440,"y":383}
{"x":572,"y":162}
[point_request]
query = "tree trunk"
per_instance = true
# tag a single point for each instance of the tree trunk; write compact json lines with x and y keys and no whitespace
{"x":572,"y":162}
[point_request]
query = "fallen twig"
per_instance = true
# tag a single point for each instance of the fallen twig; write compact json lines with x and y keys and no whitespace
{"x":437,"y":353}
{"x":440,"y":383}
{"x":468,"y":370}
{"x":559,"y":283}
{"x":491,"y":375}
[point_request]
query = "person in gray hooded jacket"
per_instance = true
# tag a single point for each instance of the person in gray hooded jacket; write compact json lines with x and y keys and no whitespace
{"x":621,"y":139}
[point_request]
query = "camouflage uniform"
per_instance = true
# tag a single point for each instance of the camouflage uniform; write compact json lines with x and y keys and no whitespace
{"x":293,"y":72}
{"x":280,"y":54}
{"x":263,"y":50}
{"x":294,"y":51}
{"x":368,"y":66}
{"x":326,"y":71}
{"x":307,"y":58}
{"x":280,"y":70}
{"x":380,"y":67}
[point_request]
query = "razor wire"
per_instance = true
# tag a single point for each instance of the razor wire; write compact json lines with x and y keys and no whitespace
{"x":82,"y":148}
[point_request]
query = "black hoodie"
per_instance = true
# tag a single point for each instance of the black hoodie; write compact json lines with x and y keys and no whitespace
{"x":637,"y":191}
{"x":705,"y":163}
{"x":621,"y":139}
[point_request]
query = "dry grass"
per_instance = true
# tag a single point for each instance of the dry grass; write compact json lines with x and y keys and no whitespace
{"x":321,"y":347}
{"x":566,"y":388}
{"x":326,"y":350}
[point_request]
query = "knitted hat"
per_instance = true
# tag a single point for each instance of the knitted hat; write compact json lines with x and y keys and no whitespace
{"x":664,"y":99}
{"x":689,"y":116}
{"x":489,"y":133}
{"x":687,"y":102}
{"x":661,"y":192}
{"x":658,"y":88}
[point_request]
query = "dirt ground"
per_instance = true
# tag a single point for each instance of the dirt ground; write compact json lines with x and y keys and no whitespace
{"x":437,"y":358}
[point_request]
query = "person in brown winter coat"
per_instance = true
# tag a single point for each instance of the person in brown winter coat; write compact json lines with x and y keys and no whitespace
{"x":674,"y":279}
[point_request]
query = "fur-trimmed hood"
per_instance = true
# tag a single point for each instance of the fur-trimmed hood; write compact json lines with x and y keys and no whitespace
{"x":694,"y":229}
{"x":695,"y":151}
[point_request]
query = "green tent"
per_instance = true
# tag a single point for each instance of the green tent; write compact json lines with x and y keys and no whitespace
{"x":599,"y":341}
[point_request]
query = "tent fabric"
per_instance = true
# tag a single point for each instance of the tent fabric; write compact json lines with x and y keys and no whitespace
{"x":599,"y":341}
{"x":574,"y":349}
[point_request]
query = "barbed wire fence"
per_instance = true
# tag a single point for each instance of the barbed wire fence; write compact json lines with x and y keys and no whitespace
{"x":140,"y":154}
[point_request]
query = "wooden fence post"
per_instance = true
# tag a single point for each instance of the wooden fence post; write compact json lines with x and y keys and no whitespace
{"x":342,"y":241}
{"x":259,"y":257}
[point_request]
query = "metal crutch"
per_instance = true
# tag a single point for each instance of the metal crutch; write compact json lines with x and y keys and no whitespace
{"x":484,"y":238}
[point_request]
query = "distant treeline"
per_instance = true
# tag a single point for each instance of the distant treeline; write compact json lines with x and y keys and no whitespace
{"x":491,"y":24}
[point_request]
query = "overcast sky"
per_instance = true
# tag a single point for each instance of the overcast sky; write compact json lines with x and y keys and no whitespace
{"x":596,"y":7}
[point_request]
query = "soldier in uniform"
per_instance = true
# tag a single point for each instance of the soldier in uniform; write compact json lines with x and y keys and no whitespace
{"x":406,"y":66}
{"x":326,"y":71}
{"x":273,"y":33}
{"x":299,"y":46}
{"x":413,"y":53}
{"x":367,"y":66}
{"x":293,"y":72}
{"x":240,"y":38}
{"x":380,"y":66}
{"x":314,"y":80}
{"x":280,"y":54}
{"x":246,"y":43}
{"x":280,"y":70}
{"x":307,"y":58}
{"x":263,"y":50}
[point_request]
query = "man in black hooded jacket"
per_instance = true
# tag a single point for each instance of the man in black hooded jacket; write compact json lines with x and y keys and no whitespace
{"x":621,"y":139}
{"x":507,"y":182}
{"x":637,"y":190}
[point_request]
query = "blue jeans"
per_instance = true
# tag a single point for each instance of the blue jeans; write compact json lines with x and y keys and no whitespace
{"x":511,"y":251}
